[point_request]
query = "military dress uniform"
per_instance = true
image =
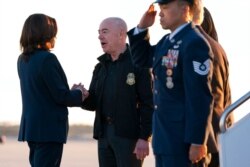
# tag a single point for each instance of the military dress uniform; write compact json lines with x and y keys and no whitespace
{"x":183,"y":101}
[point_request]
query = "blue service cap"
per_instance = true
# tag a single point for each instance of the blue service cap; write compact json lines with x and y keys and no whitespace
{"x":168,"y":1}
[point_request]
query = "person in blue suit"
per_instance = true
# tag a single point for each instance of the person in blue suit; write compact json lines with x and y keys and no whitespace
{"x":45,"y":93}
{"x":182,"y":66}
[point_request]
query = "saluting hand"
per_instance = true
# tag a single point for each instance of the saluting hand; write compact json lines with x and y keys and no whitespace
{"x":148,"y":18}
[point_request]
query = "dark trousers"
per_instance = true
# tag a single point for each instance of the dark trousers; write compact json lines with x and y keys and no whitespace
{"x":215,"y":160}
{"x":115,"y":151}
{"x":171,"y":161}
{"x":177,"y":161}
{"x":47,"y":154}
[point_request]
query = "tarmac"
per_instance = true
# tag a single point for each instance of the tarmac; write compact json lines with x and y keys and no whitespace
{"x":77,"y":153}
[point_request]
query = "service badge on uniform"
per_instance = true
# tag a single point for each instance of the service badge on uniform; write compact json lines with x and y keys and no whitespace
{"x":169,"y":82}
{"x":201,"y":68}
{"x":179,"y":42}
{"x":130,"y":79}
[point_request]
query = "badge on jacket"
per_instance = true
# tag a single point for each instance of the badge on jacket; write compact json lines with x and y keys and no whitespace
{"x":130,"y":79}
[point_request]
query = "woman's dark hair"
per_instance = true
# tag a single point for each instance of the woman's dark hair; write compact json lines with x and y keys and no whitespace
{"x":37,"y":30}
{"x":208,"y":25}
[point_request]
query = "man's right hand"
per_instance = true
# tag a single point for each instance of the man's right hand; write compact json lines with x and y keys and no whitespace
{"x":197,"y":152}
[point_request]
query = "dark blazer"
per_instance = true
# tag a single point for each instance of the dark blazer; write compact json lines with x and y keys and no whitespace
{"x":45,"y":97}
{"x":133,"y":103}
{"x":220,"y":82}
{"x":182,"y":113}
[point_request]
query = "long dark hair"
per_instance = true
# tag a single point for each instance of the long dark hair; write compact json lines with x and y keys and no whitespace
{"x":208,"y":25}
{"x":37,"y":30}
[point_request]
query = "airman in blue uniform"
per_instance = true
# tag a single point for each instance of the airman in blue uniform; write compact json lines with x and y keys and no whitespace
{"x":181,"y":63}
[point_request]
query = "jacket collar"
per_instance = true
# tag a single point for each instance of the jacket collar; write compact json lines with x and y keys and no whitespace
{"x":106,"y":57}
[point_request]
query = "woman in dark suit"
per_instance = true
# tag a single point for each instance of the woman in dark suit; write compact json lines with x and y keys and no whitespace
{"x":45,"y":93}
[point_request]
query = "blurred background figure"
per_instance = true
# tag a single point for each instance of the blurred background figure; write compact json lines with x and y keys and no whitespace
{"x":2,"y":139}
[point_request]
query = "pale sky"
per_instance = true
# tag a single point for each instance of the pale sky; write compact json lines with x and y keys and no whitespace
{"x":77,"y":45}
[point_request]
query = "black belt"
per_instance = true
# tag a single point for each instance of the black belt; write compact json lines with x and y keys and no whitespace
{"x":108,"y":120}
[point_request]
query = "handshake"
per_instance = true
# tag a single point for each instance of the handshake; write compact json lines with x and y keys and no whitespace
{"x":85,"y":92}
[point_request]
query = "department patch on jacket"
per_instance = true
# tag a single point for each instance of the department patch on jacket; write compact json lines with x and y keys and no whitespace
{"x":130,"y":79}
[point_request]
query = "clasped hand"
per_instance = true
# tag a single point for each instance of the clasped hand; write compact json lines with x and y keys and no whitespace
{"x":85,"y":92}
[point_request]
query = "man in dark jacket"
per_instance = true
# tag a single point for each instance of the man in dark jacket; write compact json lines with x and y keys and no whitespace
{"x":121,"y":95}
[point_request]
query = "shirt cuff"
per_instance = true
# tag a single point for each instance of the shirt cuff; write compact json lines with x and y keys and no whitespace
{"x":138,"y":30}
{"x":197,"y":144}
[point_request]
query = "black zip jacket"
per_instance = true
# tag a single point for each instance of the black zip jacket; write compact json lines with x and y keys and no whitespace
{"x":133,"y":103}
